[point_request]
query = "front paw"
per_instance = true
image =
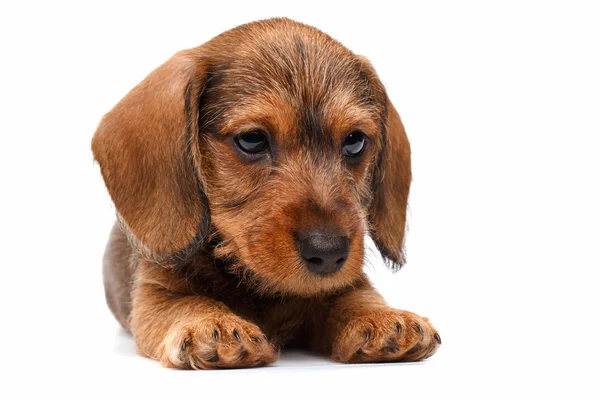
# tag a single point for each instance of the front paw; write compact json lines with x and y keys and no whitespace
{"x":386,"y":335}
{"x":217,"y":341}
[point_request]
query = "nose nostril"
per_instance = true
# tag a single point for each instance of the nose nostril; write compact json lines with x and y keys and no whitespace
{"x":323,"y":253}
{"x":315,"y":260}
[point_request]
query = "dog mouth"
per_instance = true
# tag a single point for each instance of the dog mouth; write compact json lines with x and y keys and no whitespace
{"x":305,"y":264}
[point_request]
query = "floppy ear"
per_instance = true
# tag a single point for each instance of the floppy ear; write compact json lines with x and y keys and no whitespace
{"x":388,"y":207}
{"x":391,"y":179}
{"x":146,"y":150}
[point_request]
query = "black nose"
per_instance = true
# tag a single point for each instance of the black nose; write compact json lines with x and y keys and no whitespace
{"x":323,"y":253}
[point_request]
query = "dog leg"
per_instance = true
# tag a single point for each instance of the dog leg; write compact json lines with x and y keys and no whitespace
{"x":362,"y":328}
{"x":192,"y":331}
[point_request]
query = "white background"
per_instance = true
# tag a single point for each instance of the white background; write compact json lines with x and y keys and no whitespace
{"x":501,"y":101}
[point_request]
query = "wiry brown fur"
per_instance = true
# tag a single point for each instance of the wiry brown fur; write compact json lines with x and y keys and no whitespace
{"x":203,"y":267}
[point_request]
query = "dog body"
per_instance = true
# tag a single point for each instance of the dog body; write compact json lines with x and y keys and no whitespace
{"x":245,"y":173}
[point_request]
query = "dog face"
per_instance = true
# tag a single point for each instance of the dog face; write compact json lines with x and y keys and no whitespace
{"x":273,"y":139}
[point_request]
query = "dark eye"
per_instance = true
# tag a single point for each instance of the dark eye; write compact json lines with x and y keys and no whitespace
{"x":353,"y":144}
{"x":252,"y":142}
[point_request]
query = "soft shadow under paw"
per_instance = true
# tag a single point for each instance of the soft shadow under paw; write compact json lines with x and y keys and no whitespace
{"x":124,"y":344}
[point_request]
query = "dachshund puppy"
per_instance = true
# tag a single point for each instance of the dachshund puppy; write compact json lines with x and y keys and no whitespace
{"x":245,"y":174}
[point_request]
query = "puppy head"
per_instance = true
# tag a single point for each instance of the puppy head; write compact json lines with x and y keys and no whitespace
{"x":275,"y":136}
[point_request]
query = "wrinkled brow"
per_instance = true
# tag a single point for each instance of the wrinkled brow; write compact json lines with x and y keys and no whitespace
{"x":319,"y":97}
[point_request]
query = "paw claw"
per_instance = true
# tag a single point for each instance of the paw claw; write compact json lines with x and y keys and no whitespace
{"x":242,"y":353}
{"x":391,"y":346}
{"x":386,"y":335}
{"x":414,"y":350}
{"x":399,"y":327}
{"x":196,"y":345}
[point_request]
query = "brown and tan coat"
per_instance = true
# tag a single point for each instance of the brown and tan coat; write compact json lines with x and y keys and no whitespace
{"x":207,"y":265}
